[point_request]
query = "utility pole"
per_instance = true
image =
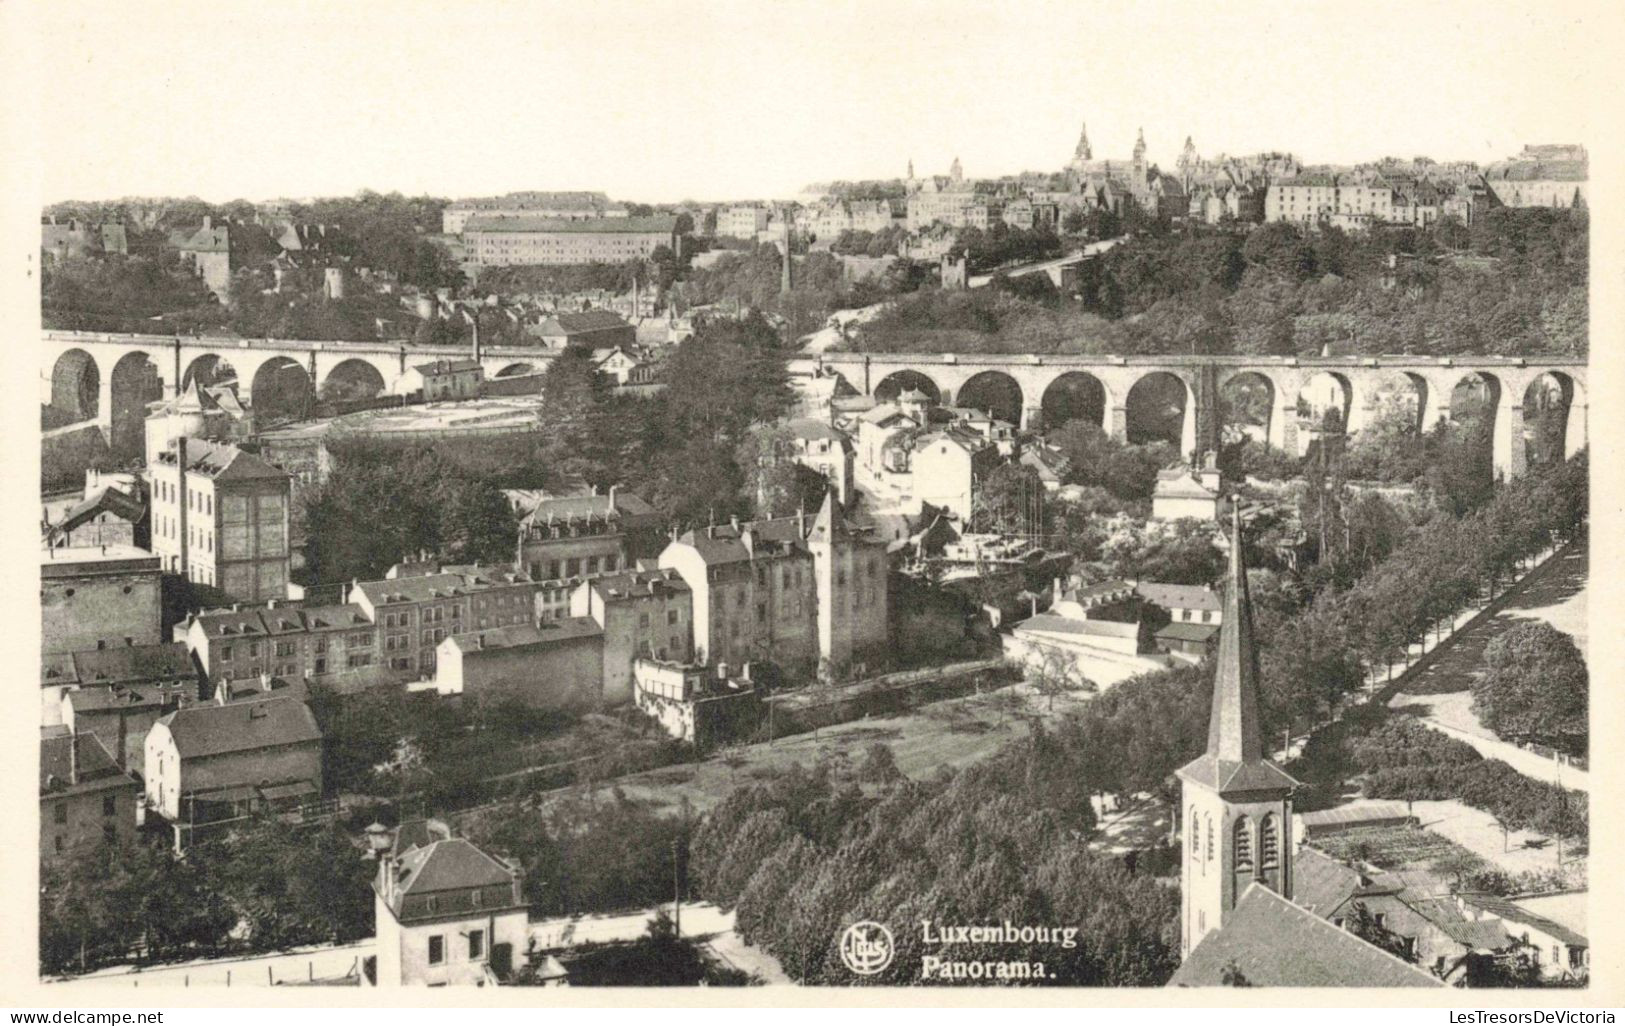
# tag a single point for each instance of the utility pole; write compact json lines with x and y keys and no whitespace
{"x":676,"y":892}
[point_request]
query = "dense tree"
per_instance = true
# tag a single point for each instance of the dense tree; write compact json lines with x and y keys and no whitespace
{"x":1534,"y":687}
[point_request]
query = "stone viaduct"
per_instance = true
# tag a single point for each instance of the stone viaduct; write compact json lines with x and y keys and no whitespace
{"x":94,"y":375}
{"x":1353,"y":382}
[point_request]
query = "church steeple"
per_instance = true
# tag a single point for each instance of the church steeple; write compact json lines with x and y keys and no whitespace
{"x":1232,"y":733}
{"x":1236,"y":805}
{"x":1083,"y":151}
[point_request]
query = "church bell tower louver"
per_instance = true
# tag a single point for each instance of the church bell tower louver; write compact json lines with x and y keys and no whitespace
{"x":1236,"y":803}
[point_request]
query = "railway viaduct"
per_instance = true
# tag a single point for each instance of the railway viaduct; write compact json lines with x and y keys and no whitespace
{"x":110,"y":378}
{"x":1353,"y":383}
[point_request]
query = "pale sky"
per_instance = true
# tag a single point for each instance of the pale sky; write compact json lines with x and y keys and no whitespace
{"x":660,"y":101}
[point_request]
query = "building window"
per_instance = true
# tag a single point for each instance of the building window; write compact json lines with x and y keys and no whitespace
{"x":109,"y":833}
{"x":671,"y":616}
{"x":476,"y":944}
{"x":110,"y":805}
{"x":59,"y":814}
{"x":225,"y":653}
{"x":437,"y":949}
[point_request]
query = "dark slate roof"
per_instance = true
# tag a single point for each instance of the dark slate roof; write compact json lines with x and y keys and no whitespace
{"x":1477,"y":934}
{"x":1275,"y":943}
{"x":117,"y":696}
{"x":1321,"y":884}
{"x":232,"y":623}
{"x":428,"y":588}
{"x":254,"y":690}
{"x":638,"y":582}
{"x":75,"y":764}
{"x":222,"y":462}
{"x":447,"y":367}
{"x":1539,"y":171}
{"x":1179,"y":631}
{"x":584,"y":507}
{"x":134,"y":663}
{"x":1515,"y":913}
{"x":450,"y":864}
{"x":107,"y":500}
{"x":215,"y":239}
{"x":583,"y":321}
{"x":207,"y":730}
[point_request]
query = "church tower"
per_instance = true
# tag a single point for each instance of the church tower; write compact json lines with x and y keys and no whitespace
{"x":849,"y":572}
{"x":1139,"y":159}
{"x":1082,"y":153}
{"x":1187,"y":163}
{"x":1236,"y":804}
{"x":956,"y":174}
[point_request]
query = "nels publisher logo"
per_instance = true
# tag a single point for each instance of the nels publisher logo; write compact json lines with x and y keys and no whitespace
{"x":867,"y":948}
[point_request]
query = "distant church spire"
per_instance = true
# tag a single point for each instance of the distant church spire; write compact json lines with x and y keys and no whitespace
{"x":1083,"y":152}
{"x":911,"y":169}
{"x":955,"y":172}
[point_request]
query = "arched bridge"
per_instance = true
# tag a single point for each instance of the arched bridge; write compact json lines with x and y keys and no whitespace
{"x":110,"y":378}
{"x":1512,"y":390}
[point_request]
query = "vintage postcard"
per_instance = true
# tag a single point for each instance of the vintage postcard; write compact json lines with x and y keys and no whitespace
{"x":787,"y":498}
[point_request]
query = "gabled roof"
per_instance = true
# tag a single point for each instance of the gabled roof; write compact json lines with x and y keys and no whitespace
{"x":1322,"y":884}
{"x":215,"y":239}
{"x":638,"y":582}
{"x":221,"y":462}
{"x":584,"y":321}
{"x":450,"y":864}
{"x":205,"y":730}
{"x":1276,"y":943}
{"x":229,"y":623}
{"x":1180,"y":483}
{"x":76,"y":763}
{"x":1477,"y":934}
{"x":447,"y":367}
{"x":104,"y":500}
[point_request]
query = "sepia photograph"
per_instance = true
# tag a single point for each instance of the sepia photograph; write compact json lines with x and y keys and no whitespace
{"x":811,"y":495}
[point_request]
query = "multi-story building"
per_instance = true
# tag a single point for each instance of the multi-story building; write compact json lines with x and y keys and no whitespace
{"x":643,"y":614}
{"x":509,"y":241}
{"x":413,"y":615}
{"x":220,"y":517}
{"x":949,"y":467}
{"x":119,"y":693}
{"x":84,"y":798}
{"x":592,"y":329}
{"x":799,"y":592}
{"x":742,"y":221}
{"x":818,"y":446}
{"x":560,"y":205}
{"x":554,"y":665}
{"x":103,"y":597}
{"x":447,"y":913}
{"x":212,"y":762}
{"x":450,"y":379}
{"x":579,"y":535}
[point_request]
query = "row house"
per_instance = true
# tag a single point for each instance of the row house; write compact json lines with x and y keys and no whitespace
{"x":413,"y":615}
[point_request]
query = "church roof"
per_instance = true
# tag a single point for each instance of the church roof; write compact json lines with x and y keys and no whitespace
{"x":1234,"y":760}
{"x":1276,"y":943}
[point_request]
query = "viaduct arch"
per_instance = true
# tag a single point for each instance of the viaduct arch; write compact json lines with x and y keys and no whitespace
{"x":1361,"y":385}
